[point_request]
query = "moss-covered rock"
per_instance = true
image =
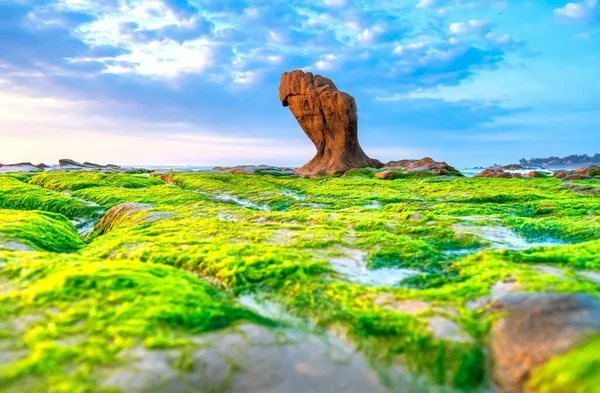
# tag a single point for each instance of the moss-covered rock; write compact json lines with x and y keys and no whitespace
{"x":169,"y":262}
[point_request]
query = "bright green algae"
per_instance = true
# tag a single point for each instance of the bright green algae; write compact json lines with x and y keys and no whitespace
{"x":76,"y":181}
{"x":278,"y":237}
{"x":85,"y":311}
{"x":41,"y":231}
{"x":16,"y":194}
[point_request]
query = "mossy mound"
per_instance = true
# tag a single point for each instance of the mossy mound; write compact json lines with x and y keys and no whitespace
{"x":397,"y":268}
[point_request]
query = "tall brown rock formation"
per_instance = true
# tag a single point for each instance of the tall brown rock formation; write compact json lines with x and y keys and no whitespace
{"x":328,"y":117}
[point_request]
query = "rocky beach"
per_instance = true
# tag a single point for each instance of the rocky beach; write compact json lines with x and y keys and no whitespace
{"x":345,"y":275}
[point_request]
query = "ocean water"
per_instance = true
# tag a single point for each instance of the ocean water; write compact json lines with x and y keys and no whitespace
{"x":470,"y":172}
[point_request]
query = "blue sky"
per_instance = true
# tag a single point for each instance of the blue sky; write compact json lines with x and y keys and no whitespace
{"x":195,"y":82}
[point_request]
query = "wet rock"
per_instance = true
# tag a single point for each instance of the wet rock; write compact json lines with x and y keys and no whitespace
{"x":352,"y":266}
{"x":576,"y":177}
{"x":537,"y":328}
{"x":389,"y":302}
{"x":589,"y":171}
{"x":249,"y":359}
{"x":427,"y":164}
{"x":533,"y":174}
{"x":494,"y":173}
{"x":13,"y":245}
{"x":446,"y":329}
{"x":328,"y":117}
{"x":560,"y":174}
{"x":594,"y":276}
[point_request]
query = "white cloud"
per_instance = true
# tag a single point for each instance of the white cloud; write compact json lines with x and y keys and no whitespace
{"x":244,"y":78}
{"x":582,"y":11}
{"x":334,"y":3}
{"x":426,"y":3}
{"x":327,"y":63}
{"x":471,"y":27}
{"x":275,"y":59}
{"x":165,"y":58}
{"x":369,"y":35}
{"x":501,"y":39}
{"x":252,"y":12}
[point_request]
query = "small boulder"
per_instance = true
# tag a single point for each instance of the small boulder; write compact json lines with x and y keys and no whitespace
{"x":561,"y":174}
{"x":427,"y":164}
{"x":68,"y":163}
{"x":494,"y":173}
{"x":590,"y":171}
{"x":511,"y":167}
{"x":533,"y":174}
{"x":576,"y":177}
{"x":388,"y":175}
{"x":537,"y":328}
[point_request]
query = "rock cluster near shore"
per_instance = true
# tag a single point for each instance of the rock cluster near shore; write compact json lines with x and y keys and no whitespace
{"x":579,"y":174}
{"x":499,"y":173}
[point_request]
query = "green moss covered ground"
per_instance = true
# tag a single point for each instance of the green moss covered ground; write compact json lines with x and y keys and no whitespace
{"x":323,"y":250}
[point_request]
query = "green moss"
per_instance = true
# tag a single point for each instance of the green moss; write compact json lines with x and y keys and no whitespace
{"x":110,"y":306}
{"x":15,"y":194}
{"x":79,"y":180}
{"x":277,"y":237}
{"x":40,"y":230}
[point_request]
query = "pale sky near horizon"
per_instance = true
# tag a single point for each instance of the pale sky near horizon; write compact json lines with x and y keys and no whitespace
{"x":194,"y":82}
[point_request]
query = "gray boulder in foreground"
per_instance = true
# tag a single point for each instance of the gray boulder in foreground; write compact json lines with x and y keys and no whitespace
{"x":537,"y":328}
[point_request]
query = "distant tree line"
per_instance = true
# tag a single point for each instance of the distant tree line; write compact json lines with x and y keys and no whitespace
{"x":568,"y":160}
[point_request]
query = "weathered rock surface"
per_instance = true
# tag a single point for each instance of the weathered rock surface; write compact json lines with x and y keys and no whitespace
{"x":438,"y":168}
{"x":388,"y":175}
{"x":579,"y":174}
{"x":71,"y":165}
{"x":20,"y":167}
{"x":537,"y":328}
{"x":590,"y":171}
{"x":248,"y":359}
{"x":494,"y":173}
{"x":329,"y":118}
{"x":68,"y":163}
{"x":533,"y":174}
{"x":511,"y":167}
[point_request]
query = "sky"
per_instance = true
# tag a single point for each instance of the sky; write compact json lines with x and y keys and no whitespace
{"x":195,"y":82}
